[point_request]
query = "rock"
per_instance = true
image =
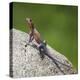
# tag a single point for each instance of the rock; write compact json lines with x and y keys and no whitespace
{"x":26,"y":61}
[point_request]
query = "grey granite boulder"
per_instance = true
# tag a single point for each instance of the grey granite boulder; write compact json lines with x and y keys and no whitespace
{"x":26,"y":62}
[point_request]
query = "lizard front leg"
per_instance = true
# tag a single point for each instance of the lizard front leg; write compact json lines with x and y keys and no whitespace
{"x":41,"y":52}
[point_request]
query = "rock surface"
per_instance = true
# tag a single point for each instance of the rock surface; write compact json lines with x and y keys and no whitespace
{"x":26,"y":62}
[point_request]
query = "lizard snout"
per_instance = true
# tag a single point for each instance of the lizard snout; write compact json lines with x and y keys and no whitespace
{"x":28,"y":20}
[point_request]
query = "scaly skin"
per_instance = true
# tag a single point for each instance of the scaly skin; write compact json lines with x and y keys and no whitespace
{"x":34,"y":34}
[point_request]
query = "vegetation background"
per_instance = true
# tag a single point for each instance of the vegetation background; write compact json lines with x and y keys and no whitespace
{"x":58,"y":25}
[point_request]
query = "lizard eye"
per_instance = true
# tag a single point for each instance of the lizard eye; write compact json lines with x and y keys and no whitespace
{"x":30,"y":20}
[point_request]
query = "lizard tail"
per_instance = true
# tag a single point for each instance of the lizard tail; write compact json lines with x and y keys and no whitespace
{"x":55,"y":63}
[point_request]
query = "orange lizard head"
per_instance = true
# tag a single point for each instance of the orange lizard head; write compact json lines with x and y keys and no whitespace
{"x":30,"y":23}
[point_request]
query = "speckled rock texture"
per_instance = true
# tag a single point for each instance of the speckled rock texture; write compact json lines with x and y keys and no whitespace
{"x":26,"y":61}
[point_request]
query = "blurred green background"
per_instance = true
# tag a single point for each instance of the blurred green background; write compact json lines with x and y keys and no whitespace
{"x":58,"y":25}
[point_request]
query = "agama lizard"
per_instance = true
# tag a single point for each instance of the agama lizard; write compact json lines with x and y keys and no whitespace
{"x":34,"y":34}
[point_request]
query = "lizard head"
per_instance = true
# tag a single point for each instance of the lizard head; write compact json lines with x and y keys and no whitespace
{"x":29,"y":20}
{"x":30,"y":23}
